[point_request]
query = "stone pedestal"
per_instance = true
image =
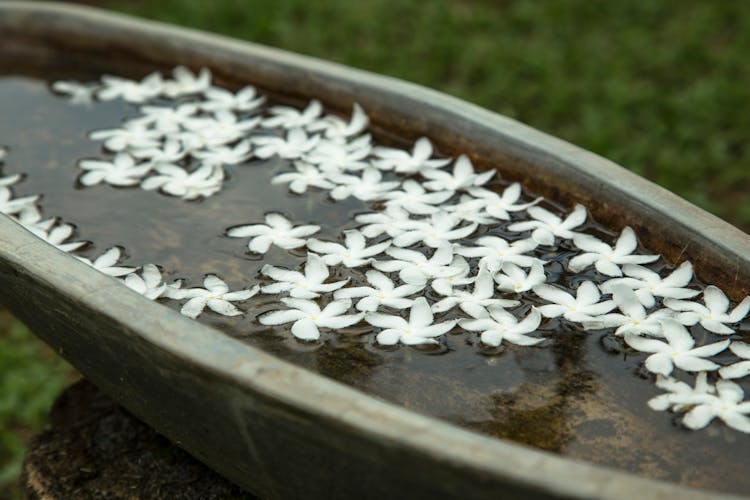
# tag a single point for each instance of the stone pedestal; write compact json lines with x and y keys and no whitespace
{"x":96,"y":449}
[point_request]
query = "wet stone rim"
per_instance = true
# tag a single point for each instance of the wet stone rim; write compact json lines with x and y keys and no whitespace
{"x":422,"y":205}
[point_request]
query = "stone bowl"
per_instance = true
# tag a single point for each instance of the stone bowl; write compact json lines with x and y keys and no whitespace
{"x":275,"y":429}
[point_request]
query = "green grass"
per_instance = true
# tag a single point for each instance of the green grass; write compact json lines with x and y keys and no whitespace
{"x":659,"y":87}
{"x":31,"y":377}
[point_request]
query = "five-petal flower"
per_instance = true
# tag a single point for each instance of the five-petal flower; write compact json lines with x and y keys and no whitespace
{"x":419,"y":329}
{"x":277,"y":230}
{"x":307,"y":317}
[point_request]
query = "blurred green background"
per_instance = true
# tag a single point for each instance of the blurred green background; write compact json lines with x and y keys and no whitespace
{"x":660,"y":87}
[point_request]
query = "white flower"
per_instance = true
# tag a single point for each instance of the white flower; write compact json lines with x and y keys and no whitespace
{"x":713,"y":315}
{"x":293,"y":146}
{"x":307,"y":317}
{"x":168,"y":153}
{"x":495,"y":251}
{"x":149,"y":283}
{"x":301,"y":286}
{"x":222,"y":128}
{"x":680,"y":395}
{"x":335,"y":128}
{"x":354,"y":253}
{"x":306,"y":175}
{"x":418,"y":330}
{"x":368,"y":187}
{"x":475,"y":303}
{"x":121,"y":171}
{"x":498,"y":325}
{"x":415,"y":199}
{"x":676,"y":351}
{"x":415,"y":268}
{"x":291,"y":118}
{"x":133,"y":135}
{"x":405,"y":163}
{"x":728,"y":405}
{"x":131,"y":91}
{"x":604,"y":257}
{"x":11,"y":206}
{"x":165,"y":119}
{"x":469,"y":209}
{"x":225,"y":155}
{"x":439,"y":230}
{"x":218,"y":99}
{"x":584,"y":307}
{"x":633,"y":319}
{"x":31,"y":219}
{"x":648,"y":284}
{"x":105,"y":263}
{"x":392,"y":221}
{"x":498,"y":206}
{"x":186,"y":82}
{"x":547,"y":225}
{"x":277,"y":230}
{"x":333,"y":156}
{"x":462,"y":178}
{"x":59,"y":234}
{"x":176,"y":181}
{"x":385,"y":293}
{"x":216,"y":296}
{"x":515,"y":280}
{"x":76,"y":92}
{"x":741,"y":368}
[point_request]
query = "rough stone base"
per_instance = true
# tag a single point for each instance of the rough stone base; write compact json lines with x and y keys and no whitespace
{"x":96,"y":449}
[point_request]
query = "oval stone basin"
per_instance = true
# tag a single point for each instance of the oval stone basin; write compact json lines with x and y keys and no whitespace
{"x":359,"y":286}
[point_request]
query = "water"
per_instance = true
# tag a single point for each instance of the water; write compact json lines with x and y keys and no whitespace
{"x":580,"y":394}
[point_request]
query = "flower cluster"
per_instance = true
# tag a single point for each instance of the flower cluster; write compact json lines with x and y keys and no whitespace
{"x":435,"y":225}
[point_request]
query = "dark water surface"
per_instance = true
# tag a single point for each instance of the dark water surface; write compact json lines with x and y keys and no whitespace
{"x":580,"y":394}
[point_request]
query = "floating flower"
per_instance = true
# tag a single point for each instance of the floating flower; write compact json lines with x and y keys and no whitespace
{"x":293,"y":146}
{"x":121,"y":171}
{"x":12,"y":206}
{"x":418,"y":330}
{"x":132,"y":135}
{"x":462,"y":178}
{"x":174,"y":180}
{"x":218,"y":99}
{"x":129,"y":90}
{"x":163,"y":119}
{"x":441,"y":229}
{"x":277,"y":230}
{"x":470,"y":210}
{"x":727,"y":405}
{"x":225,"y":155}
{"x":546,"y":225}
{"x":301,"y":286}
{"x":368,"y":187}
{"x":402,"y":162}
{"x":498,"y":325}
{"x":741,"y":368}
{"x":384,"y":293}
{"x":77,"y":93}
{"x":305,"y":175}
{"x":292,"y":118}
{"x":392,"y":221}
{"x":105,"y":263}
{"x":676,"y":351}
{"x":415,"y":268}
{"x":354,"y":253}
{"x":583,"y":308}
{"x":58,"y":236}
{"x":168,"y":153}
{"x":308,"y":317}
{"x":475,"y":303}
{"x":335,"y":128}
{"x":149,"y":283}
{"x":604,"y":257}
{"x":513,"y":279}
{"x":495,"y":251}
{"x":680,"y":395}
{"x":331,"y":156}
{"x":223,"y":128}
{"x":216,"y":296}
{"x":713,"y":315}
{"x":499,"y":206}
{"x":413,"y":198}
{"x":648,"y":284}
{"x":185,"y":82}
{"x":633,"y":319}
